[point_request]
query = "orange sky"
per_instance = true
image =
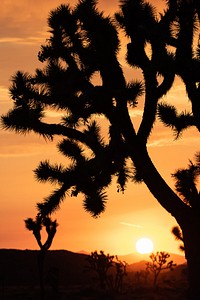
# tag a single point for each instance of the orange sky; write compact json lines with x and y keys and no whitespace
{"x":128,"y":216}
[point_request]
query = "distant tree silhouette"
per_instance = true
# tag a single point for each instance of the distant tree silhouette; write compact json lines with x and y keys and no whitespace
{"x":83,"y":43}
{"x":36,"y":226}
{"x":109,"y":268}
{"x":120,"y":273}
{"x":101,"y":263}
{"x":159,"y":263}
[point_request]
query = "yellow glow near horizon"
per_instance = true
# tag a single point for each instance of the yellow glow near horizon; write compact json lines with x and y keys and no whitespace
{"x":144,"y":246}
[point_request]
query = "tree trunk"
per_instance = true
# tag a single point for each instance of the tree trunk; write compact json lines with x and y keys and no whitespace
{"x":41,"y":257}
{"x":191,"y":236}
{"x":155,"y":279}
{"x":186,"y":217}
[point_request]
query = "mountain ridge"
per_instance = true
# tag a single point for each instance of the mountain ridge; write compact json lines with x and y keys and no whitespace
{"x":66,"y":270}
{"x":19,"y":268}
{"x":130,"y":258}
{"x":135,"y":257}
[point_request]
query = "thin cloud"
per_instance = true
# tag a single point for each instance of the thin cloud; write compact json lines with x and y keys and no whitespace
{"x":136,"y":113}
{"x":4,"y":94}
{"x":18,"y":155}
{"x":131,"y":225}
{"x":22,"y":41}
{"x":162,"y":143}
{"x":53,"y":114}
{"x":22,"y":150}
{"x":167,"y":142}
{"x":12,"y":145}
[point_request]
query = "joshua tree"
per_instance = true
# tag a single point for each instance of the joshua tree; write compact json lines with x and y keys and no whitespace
{"x":109,"y":268}
{"x":36,"y":226}
{"x":120,"y":272}
{"x":85,"y":42}
{"x":101,"y":263}
{"x":159,"y":263}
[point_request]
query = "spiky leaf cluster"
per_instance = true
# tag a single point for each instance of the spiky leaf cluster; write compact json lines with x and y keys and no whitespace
{"x":186,"y":183}
{"x":36,"y":226}
{"x":176,"y":231}
{"x":83,"y":43}
{"x":178,"y":122}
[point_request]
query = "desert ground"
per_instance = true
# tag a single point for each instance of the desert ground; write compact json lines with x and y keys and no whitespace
{"x":67,"y":276}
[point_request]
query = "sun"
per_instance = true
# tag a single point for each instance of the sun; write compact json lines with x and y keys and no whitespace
{"x":144,"y":246}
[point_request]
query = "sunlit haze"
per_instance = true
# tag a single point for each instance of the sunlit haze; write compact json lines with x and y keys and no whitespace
{"x":129,"y":216}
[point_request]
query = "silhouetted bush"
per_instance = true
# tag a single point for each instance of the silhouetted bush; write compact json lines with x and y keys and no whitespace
{"x":110,"y":270}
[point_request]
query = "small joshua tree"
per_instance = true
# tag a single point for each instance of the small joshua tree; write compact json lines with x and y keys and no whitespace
{"x":102,"y":263}
{"x":36,"y":226}
{"x":120,"y":272}
{"x":159,"y":263}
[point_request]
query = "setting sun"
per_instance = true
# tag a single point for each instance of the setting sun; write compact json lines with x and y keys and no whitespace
{"x":144,"y":245}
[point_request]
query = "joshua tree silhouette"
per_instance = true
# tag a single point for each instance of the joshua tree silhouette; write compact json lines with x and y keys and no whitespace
{"x":36,"y":226}
{"x":109,"y":268}
{"x":101,"y":263}
{"x":159,"y":263}
{"x":83,"y":43}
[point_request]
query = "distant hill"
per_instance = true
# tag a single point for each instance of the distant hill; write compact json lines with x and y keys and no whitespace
{"x":136,"y":257}
{"x":20,"y":267}
{"x":67,"y":277}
